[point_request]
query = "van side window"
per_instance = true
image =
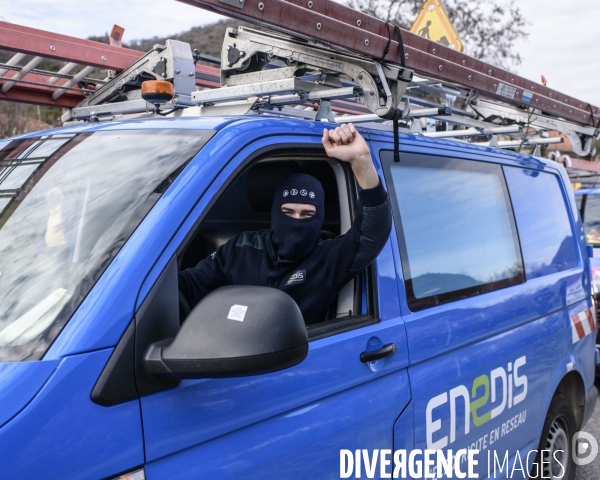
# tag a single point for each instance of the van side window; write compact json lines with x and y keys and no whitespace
{"x":544,"y":228}
{"x":245,"y":205}
{"x":455,"y":228}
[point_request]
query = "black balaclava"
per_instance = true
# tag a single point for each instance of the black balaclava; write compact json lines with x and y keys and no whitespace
{"x":295,"y":238}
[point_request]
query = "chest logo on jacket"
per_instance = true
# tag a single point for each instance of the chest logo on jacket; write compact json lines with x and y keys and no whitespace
{"x":296,"y":277}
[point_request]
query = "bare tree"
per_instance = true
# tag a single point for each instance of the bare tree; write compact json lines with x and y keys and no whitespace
{"x":13,"y":119}
{"x":18,"y":118}
{"x":488,"y":28}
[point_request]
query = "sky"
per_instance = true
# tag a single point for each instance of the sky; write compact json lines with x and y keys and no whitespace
{"x":563,"y":45}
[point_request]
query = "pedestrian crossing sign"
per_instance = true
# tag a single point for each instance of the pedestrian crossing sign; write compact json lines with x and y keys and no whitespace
{"x":433,"y":23}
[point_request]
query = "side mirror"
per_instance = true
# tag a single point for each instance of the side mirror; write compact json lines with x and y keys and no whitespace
{"x":234,"y":331}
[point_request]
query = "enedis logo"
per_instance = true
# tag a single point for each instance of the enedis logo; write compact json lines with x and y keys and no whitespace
{"x":505,"y":384}
{"x":296,"y":277}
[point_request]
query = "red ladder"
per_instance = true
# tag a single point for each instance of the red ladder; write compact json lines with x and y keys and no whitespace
{"x":25,"y":83}
{"x":335,"y":24}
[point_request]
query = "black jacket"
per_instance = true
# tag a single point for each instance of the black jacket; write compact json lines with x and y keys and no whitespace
{"x":250,"y":259}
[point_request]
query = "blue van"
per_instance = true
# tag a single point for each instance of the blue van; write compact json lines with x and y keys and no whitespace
{"x":588,"y":203}
{"x":473,"y":329}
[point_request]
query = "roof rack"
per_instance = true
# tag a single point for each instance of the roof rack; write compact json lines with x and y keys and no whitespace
{"x":329,"y":22}
{"x":340,"y":65}
{"x":490,"y":94}
{"x":173,"y":62}
{"x":245,"y":52}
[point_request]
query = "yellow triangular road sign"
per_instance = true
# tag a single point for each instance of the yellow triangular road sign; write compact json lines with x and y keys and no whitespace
{"x":433,"y":23}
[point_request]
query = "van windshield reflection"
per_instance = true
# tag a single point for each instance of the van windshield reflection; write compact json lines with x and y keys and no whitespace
{"x":67,"y":205}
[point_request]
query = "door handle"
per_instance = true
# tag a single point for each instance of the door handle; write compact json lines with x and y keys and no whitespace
{"x":383,"y":352}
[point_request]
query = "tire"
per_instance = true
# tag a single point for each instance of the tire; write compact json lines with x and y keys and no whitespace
{"x":559,"y":427}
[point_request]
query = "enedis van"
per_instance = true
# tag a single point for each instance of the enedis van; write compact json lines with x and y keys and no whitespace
{"x":483,"y":289}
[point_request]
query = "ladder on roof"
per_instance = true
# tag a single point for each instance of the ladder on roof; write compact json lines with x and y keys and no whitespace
{"x":332,"y":23}
{"x":493,"y":96}
{"x":22,"y":81}
{"x":333,"y":61}
{"x":314,"y":74}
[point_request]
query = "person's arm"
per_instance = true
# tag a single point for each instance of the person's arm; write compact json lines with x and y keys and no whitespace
{"x":197,"y":282}
{"x":373,"y":220}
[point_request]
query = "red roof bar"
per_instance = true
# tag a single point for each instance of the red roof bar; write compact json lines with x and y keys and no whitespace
{"x":62,"y":47}
{"x":588,"y":166}
{"x":40,"y":97}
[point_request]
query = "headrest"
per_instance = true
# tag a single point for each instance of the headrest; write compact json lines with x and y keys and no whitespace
{"x":263,"y":179}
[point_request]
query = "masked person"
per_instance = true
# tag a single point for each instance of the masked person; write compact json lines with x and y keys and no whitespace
{"x":291,"y":257}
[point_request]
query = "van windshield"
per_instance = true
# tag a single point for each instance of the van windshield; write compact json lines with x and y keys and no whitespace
{"x":67,"y":205}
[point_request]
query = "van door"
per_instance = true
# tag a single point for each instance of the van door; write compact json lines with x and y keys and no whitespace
{"x":482,"y":344}
{"x":290,"y":423}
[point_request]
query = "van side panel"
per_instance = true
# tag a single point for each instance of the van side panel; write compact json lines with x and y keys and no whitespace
{"x":236,"y":436}
{"x":547,"y":227}
{"x":483,"y":367}
{"x":63,"y":434}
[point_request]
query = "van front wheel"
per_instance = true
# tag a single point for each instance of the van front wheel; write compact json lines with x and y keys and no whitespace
{"x":555,"y":443}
